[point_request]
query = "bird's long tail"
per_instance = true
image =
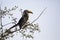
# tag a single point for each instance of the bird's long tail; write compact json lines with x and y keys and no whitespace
{"x":13,"y":26}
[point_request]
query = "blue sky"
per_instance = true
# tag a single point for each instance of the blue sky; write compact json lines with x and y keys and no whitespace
{"x":49,"y":22}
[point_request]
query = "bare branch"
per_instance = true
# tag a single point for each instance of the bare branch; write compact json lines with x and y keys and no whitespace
{"x":38,"y":16}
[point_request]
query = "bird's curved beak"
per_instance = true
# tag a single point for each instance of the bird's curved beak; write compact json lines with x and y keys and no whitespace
{"x":30,"y":12}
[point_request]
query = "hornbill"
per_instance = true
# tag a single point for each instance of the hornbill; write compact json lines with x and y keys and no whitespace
{"x":23,"y":19}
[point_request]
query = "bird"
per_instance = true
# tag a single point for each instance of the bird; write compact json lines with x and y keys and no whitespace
{"x":23,"y":19}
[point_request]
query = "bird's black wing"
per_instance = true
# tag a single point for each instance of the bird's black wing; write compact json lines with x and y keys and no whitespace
{"x":22,"y":21}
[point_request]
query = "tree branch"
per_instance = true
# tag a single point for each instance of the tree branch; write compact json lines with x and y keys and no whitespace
{"x":39,"y":15}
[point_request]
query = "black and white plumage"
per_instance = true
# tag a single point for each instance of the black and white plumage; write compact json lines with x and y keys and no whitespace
{"x":23,"y":19}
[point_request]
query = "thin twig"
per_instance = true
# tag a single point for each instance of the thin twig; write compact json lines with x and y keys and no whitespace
{"x":39,"y":15}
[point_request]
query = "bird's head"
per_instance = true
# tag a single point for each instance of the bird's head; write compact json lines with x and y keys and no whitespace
{"x":28,"y":11}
